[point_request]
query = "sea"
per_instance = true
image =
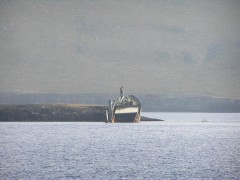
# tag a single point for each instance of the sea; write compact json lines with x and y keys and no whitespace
{"x":183,"y":146}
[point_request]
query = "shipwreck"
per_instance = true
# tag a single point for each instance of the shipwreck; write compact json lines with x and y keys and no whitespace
{"x":124,"y":109}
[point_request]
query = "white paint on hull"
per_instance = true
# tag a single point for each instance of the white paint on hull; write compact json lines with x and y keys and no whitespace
{"x":126,"y":110}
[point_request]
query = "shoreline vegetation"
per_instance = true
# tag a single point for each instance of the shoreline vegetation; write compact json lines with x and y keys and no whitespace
{"x":56,"y":113}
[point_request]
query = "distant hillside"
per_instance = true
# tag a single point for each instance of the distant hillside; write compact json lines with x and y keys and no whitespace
{"x":151,"y":46}
{"x":150,"y":102}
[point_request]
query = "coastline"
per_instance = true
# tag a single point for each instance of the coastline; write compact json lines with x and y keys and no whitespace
{"x":56,"y":113}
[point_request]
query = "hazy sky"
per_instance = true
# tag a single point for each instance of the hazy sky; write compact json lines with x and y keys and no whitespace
{"x":151,"y":46}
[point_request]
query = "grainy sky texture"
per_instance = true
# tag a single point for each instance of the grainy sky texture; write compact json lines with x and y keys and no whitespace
{"x":168,"y":46}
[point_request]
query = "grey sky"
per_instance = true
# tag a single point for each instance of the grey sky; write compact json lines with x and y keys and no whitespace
{"x":96,"y":46}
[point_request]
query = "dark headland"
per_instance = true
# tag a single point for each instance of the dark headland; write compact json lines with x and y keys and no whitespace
{"x":55,"y":113}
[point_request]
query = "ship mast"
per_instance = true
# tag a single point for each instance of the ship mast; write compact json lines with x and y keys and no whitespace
{"x":121,"y":93}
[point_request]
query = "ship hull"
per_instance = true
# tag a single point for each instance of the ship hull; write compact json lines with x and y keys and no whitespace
{"x":128,"y":114}
{"x":126,"y":117}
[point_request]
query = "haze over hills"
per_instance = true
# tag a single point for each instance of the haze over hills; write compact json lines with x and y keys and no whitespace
{"x":97,"y":46}
{"x":150,"y":102}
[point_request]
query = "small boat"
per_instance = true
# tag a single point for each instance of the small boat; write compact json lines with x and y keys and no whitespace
{"x":125,"y":109}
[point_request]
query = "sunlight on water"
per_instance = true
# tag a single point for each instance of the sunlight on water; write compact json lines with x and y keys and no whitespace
{"x":171,"y":149}
{"x":195,"y":117}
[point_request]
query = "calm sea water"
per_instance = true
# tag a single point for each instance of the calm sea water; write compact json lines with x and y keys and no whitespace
{"x":184,"y":146}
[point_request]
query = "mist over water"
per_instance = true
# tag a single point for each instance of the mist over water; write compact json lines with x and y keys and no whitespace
{"x":174,"y":149}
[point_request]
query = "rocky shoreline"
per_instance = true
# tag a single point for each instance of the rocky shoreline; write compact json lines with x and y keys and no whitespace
{"x":55,"y":113}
